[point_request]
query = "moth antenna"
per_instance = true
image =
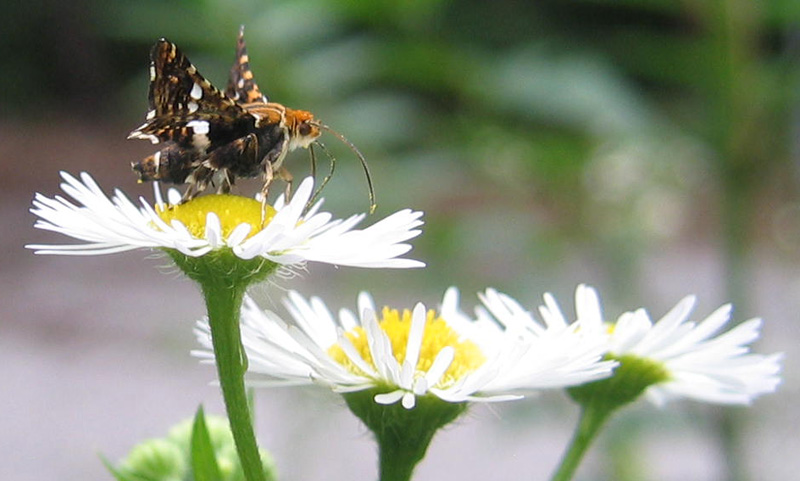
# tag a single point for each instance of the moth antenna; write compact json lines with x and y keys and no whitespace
{"x":360,"y":156}
{"x":327,"y":177}
{"x":313,"y":162}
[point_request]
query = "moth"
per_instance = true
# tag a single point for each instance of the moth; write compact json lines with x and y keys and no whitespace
{"x":211,"y":138}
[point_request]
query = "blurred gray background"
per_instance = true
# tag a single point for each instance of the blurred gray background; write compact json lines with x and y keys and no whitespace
{"x":645,"y":147}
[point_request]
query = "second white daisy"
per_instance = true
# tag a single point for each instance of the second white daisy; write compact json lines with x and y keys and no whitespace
{"x":410,"y":353}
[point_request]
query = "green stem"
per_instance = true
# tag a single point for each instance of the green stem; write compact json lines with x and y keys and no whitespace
{"x":592,"y":419}
{"x":224,"y":304}
{"x":396,"y":464}
{"x":733,"y":38}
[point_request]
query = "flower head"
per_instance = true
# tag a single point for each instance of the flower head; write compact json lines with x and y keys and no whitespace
{"x":286,"y":235}
{"x":405,"y":354}
{"x":694,"y":360}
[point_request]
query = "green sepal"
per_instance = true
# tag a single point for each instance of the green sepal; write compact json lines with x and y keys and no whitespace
{"x":599,"y":400}
{"x":222,"y":265}
{"x":630,"y":380}
{"x":403,"y":435}
{"x":203,"y":458}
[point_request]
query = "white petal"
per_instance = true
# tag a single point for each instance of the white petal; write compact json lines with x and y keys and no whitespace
{"x":213,"y":230}
{"x":409,"y":400}
{"x":414,"y":344}
{"x":440,"y":365}
{"x":390,"y":397}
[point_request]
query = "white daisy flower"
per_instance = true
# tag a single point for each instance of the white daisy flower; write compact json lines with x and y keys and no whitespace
{"x":698,"y":363}
{"x":287,"y":235}
{"x":410,"y":353}
{"x":560,"y":354}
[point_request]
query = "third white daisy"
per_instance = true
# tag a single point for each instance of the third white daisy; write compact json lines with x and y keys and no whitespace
{"x":699,"y":361}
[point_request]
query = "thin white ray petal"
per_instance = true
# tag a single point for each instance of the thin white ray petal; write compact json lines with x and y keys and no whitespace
{"x":440,"y":365}
{"x":414,"y":344}
{"x":409,"y":400}
{"x":390,"y":397}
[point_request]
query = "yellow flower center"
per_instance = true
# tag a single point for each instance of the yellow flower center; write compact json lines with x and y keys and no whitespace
{"x":232,"y":210}
{"x":437,"y":335}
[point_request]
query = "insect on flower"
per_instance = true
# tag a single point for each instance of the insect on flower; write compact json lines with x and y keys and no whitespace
{"x":211,"y":137}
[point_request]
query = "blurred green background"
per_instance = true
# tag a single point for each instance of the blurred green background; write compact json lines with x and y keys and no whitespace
{"x":646,"y":147}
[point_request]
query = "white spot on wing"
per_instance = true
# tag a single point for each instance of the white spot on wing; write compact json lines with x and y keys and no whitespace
{"x":157,"y":159}
{"x":199,"y":126}
{"x":151,"y":115}
{"x":192,"y":106}
{"x":200,"y":129}
{"x":197,"y":92}
{"x":138,"y":134}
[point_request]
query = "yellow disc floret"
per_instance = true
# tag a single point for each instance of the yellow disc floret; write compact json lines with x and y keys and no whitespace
{"x":437,"y":335}
{"x":232,"y":210}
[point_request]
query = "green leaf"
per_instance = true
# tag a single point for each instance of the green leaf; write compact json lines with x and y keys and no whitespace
{"x":204,"y":461}
{"x":118,"y":475}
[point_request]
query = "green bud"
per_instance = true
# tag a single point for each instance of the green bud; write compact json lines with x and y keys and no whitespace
{"x":168,"y":459}
{"x":155,"y":459}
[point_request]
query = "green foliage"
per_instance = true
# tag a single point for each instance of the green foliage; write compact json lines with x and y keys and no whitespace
{"x":204,"y":460}
{"x":201,"y":449}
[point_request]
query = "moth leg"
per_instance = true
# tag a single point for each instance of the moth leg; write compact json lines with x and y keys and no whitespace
{"x":288,"y":178}
{"x":198,"y":181}
{"x":269,"y":176}
{"x":274,"y":157}
{"x":190,"y":192}
{"x":226,"y":181}
{"x":270,"y":163}
{"x":234,"y":159}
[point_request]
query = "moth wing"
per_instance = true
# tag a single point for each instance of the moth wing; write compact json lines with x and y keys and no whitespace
{"x":180,"y":97}
{"x":242,"y":86}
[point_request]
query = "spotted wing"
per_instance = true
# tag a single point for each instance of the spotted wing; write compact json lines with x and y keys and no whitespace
{"x":242,"y":85}
{"x":183,"y":103}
